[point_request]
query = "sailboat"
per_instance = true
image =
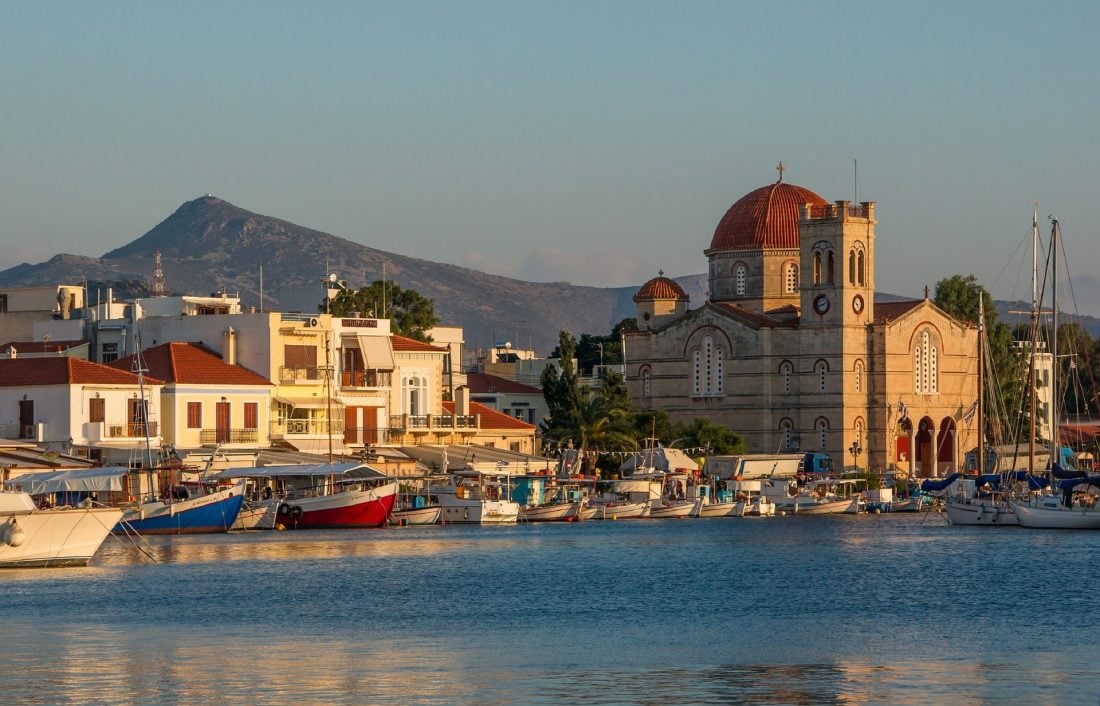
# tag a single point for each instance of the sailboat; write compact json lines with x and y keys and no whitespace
{"x":201,"y":508}
{"x":30,"y":537}
{"x":1075,"y":506}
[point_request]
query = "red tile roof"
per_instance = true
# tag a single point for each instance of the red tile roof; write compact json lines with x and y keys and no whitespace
{"x":40,"y":346}
{"x":192,"y":363}
{"x":753,"y":318}
{"x":764,"y":218}
{"x":22,"y":372}
{"x":490,"y":418}
{"x":485,"y":383}
{"x":401,"y":343}
{"x":888,"y":311}
{"x":660,"y":287}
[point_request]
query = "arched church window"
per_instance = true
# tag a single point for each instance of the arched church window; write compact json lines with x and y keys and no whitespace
{"x":696,"y":372}
{"x":860,"y":273}
{"x":823,"y":432}
{"x":852,"y":266}
{"x":926,"y":365}
{"x":858,"y":376}
{"x":708,"y":368}
{"x":786,"y":370}
{"x":817,"y":268}
{"x":821,"y":368}
{"x":831,"y":267}
{"x":792,"y":278}
{"x":719,"y":369}
{"x":786,"y":430}
{"x":740,"y":275}
{"x":859,"y":432}
{"x":646,"y":391}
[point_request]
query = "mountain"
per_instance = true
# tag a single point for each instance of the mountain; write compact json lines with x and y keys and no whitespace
{"x":209,"y":244}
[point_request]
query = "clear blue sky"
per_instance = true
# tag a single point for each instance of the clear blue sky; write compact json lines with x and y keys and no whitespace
{"x":593,"y":142}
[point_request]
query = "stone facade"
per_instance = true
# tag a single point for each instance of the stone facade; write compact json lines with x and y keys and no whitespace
{"x":792,"y":353}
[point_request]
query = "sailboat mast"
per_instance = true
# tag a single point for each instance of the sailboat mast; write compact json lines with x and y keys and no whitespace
{"x":1055,"y":448}
{"x":1032,"y":406}
{"x":981,"y":383}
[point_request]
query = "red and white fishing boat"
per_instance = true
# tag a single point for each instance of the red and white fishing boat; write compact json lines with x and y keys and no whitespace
{"x":324,"y":496}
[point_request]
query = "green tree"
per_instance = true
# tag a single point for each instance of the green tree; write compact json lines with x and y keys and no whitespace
{"x":703,"y":433}
{"x":410,"y":313}
{"x":593,"y":350}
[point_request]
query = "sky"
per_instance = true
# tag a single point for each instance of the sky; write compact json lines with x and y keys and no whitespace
{"x":590,"y":142}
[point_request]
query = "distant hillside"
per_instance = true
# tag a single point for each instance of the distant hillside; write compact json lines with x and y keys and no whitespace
{"x":209,"y":244}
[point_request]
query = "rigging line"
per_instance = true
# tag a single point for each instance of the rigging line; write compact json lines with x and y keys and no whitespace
{"x":1077,"y":315}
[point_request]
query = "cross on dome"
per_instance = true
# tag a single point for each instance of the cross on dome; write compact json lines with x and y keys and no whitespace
{"x":780,"y":168}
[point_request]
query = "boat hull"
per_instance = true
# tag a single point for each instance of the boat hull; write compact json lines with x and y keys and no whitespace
{"x":417,"y":516}
{"x":207,"y":514}
{"x":1053,"y":517}
{"x":256,"y":517}
{"x":828,"y":507}
{"x":981,"y":512}
{"x":671,"y":511}
{"x":622,"y":511}
{"x":726,"y":509}
{"x":560,"y":512}
{"x":480,"y":512}
{"x":52,"y":538}
{"x":364,"y":507}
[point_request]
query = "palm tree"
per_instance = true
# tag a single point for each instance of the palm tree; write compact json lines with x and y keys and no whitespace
{"x":597,"y":422}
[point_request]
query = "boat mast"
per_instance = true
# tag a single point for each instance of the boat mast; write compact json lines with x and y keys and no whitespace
{"x":1055,"y":448}
{"x":1034,"y":340}
{"x":139,"y":369}
{"x":981,"y":383}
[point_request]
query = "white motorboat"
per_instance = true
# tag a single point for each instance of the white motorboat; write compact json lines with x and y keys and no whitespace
{"x":719,"y":509}
{"x":477,"y":499}
{"x":828,"y":496}
{"x":1074,"y":509}
{"x":974,"y":511}
{"x":673,"y":509}
{"x":757,"y":506}
{"x":621,"y":510}
{"x":587,"y":512}
{"x":553,"y":512}
{"x":30,"y":537}
{"x":256,"y":516}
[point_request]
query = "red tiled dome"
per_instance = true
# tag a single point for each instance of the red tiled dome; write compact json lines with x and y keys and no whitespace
{"x":765,"y":218}
{"x":660,"y":287}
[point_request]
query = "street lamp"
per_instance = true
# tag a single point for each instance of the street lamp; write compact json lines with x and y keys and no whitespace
{"x":855,"y":449}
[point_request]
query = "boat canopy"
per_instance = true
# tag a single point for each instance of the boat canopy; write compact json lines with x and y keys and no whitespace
{"x":1071,"y":483}
{"x":933,"y":486}
{"x":1061,"y":473}
{"x":84,"y":480}
{"x":351,"y":470}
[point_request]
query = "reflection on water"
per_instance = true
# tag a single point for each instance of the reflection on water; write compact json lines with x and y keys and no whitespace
{"x":795,"y":611}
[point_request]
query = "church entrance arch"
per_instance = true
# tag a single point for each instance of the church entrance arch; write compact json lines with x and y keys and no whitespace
{"x":946,"y":446}
{"x":903,"y":454}
{"x":924,"y":457}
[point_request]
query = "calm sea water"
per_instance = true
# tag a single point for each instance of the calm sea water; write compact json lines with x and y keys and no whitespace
{"x":813,"y":610}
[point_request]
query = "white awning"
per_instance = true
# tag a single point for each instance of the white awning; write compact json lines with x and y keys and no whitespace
{"x":377,"y":353}
{"x":309,"y":402}
{"x":85,"y":480}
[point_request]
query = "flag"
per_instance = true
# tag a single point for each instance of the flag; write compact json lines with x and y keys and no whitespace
{"x":970,"y":412}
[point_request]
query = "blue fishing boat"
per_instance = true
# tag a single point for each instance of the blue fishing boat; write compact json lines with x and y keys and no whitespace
{"x":208,"y":513}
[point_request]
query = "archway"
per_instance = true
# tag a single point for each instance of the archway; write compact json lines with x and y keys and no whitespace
{"x":946,"y":446}
{"x":924,"y":458}
{"x":903,"y":454}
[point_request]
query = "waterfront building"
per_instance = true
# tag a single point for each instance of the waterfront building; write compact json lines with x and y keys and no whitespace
{"x":792,"y":350}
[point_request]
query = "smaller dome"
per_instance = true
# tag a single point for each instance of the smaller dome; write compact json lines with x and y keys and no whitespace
{"x":660,"y":287}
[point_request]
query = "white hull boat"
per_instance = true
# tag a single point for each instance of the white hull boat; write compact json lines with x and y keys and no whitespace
{"x":675,"y":510}
{"x":722,"y":509}
{"x":588,"y":512}
{"x":812,"y":506}
{"x":478,"y":512}
{"x":30,"y":537}
{"x":622,"y":511}
{"x":981,"y":511}
{"x":557,"y":512}
{"x":256,"y":517}
{"x":417,"y":516}
{"x":1048,"y":512}
{"x":757,"y":507}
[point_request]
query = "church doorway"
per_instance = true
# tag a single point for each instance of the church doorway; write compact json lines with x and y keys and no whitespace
{"x":924,"y":459}
{"x":945,"y":446}
{"x":903,"y":455}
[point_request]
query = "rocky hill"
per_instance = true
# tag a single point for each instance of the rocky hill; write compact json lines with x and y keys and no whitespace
{"x":209,"y":244}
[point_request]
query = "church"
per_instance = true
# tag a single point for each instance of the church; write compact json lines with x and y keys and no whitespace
{"x":792,"y":351}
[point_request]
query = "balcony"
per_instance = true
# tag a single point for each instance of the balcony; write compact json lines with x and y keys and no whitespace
{"x":306,"y":427}
{"x":303,"y":374}
{"x":356,"y":436}
{"x":365,"y":378}
{"x":131,"y":430}
{"x":229,"y":436}
{"x":433,"y":422}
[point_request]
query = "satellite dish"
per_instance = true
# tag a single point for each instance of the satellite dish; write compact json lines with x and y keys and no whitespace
{"x":332,"y":277}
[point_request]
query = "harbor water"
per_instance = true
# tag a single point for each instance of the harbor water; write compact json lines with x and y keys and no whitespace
{"x":899,"y":609}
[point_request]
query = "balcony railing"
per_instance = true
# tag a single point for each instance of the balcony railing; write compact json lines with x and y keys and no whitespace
{"x":229,"y":436}
{"x":131,"y":430}
{"x":431,"y":422}
{"x":303,"y":374}
{"x":361,"y":437}
{"x":365,"y":378}
{"x":306,"y":427}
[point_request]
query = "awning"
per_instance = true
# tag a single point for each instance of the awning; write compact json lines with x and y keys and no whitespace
{"x":85,"y":480}
{"x":358,"y":470}
{"x":309,"y":402}
{"x":377,"y":354}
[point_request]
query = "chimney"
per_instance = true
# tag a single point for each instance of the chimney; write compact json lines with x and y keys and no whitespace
{"x":462,"y":400}
{"x":230,"y":346}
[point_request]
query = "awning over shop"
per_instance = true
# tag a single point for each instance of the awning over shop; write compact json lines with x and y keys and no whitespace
{"x":377,"y":353}
{"x":309,"y":402}
{"x":354,"y":470}
{"x":85,"y":480}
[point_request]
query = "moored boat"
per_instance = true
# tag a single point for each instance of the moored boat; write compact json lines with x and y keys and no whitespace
{"x":417,"y":516}
{"x":478,"y":499}
{"x":180,"y":513}
{"x":30,"y":537}
{"x":1077,"y":507}
{"x":672,"y":509}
